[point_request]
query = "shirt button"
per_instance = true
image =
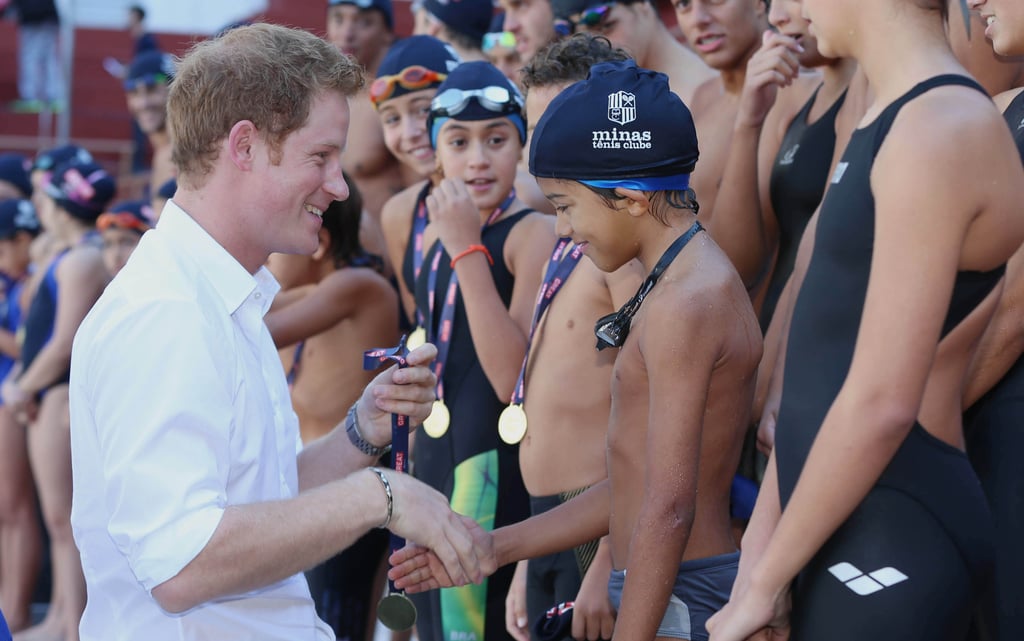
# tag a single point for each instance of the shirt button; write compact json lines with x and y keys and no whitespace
{"x":258,"y":296}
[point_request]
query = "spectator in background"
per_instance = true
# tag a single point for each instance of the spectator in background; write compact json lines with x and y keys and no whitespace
{"x":121,"y":228}
{"x":500,"y":48}
{"x":21,"y":542}
{"x":14,"y":180}
{"x":40,"y":76}
{"x":144,"y":41}
{"x":162,"y":195}
{"x":363,"y":29}
{"x":459,"y":24}
{"x":146,"y":85}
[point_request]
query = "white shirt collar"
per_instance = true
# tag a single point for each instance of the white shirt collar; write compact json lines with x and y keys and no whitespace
{"x":232,"y":282}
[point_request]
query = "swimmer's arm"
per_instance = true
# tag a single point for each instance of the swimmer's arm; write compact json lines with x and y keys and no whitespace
{"x":579,"y":520}
{"x":765,"y":517}
{"x":914,"y":263}
{"x":768,"y":392}
{"x":742,"y":221}
{"x":396,"y":222}
{"x":337,"y":297}
{"x":500,"y":333}
{"x":81,"y":278}
{"x":1003,"y":341}
{"x":679,"y":365}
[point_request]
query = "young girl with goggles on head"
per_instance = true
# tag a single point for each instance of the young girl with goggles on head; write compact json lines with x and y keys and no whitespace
{"x":477,"y":267}
{"x":407,"y":82}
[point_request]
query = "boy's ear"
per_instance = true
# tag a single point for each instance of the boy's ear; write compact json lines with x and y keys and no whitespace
{"x":323,"y":244}
{"x":637,"y":203}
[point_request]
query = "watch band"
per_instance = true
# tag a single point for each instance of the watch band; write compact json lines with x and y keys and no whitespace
{"x":356,"y":437}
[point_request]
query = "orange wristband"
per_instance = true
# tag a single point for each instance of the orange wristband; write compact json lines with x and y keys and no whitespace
{"x":469,"y":250}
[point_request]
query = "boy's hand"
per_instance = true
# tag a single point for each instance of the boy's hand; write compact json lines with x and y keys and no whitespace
{"x":458,"y":545}
{"x":416,"y":568}
{"x":517,"y":621}
{"x":593,"y":615}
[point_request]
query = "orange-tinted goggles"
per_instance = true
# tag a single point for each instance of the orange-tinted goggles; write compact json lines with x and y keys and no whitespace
{"x":412,"y":78}
{"x":121,"y":220}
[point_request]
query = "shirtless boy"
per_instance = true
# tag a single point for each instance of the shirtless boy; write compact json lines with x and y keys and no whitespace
{"x":364,"y":30}
{"x":567,"y":386}
{"x":683,"y":378}
{"x":636,"y":26}
{"x":725,"y":33}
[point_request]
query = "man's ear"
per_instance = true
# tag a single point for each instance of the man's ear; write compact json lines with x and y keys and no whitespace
{"x":637,"y":203}
{"x":241,"y":144}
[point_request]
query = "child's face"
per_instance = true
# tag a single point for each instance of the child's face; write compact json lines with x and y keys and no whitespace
{"x":404,"y":120}
{"x":507,"y":60}
{"x":118,"y":245}
{"x":14,"y":255}
{"x":604,"y":231}
{"x":723,"y":32}
{"x":483,"y":154}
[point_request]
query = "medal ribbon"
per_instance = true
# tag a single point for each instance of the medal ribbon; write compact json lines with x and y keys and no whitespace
{"x":419,"y":223}
{"x":555,"y":275}
{"x":442,"y":335}
{"x":373,"y":359}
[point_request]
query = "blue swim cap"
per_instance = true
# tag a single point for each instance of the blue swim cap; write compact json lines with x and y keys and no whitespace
{"x":476,"y":90}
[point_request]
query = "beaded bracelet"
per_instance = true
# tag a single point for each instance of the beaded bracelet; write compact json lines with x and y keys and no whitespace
{"x":387,"y":490}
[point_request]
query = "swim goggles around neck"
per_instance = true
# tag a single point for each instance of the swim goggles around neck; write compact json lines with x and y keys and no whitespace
{"x":451,"y":102}
{"x":412,"y":78}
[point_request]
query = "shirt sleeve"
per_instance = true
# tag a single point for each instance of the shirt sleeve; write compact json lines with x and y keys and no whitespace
{"x":161,"y":387}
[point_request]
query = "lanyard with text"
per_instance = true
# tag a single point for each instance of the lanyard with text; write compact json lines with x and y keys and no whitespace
{"x":512,"y":422}
{"x":437,"y":423}
{"x":419,"y":224}
{"x":395,"y":610}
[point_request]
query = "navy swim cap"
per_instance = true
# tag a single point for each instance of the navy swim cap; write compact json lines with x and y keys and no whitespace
{"x":621,"y":127}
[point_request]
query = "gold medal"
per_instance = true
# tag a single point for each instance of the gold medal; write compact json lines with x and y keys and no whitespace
{"x":437,"y":423}
{"x":417,"y":338}
{"x":512,"y":424}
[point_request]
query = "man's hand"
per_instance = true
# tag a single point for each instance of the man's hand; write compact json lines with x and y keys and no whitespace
{"x":417,"y":567}
{"x":459,"y":550}
{"x":408,"y":390}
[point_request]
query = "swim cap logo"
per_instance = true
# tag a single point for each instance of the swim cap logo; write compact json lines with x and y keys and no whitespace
{"x":621,"y":111}
{"x":621,"y":107}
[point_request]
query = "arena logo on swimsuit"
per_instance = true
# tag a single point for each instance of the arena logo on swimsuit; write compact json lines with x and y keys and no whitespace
{"x":621,"y":111}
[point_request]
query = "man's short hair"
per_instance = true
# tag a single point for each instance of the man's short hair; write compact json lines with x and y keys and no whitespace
{"x":265,"y":73}
{"x":569,"y":60}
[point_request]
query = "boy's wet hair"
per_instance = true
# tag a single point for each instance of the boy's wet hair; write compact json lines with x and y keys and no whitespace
{"x":680,"y":199}
{"x":264,"y":73}
{"x":569,"y":60}
{"x":342,"y":220}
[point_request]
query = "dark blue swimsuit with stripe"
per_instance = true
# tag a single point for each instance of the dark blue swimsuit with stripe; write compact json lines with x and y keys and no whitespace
{"x":909,"y":561}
